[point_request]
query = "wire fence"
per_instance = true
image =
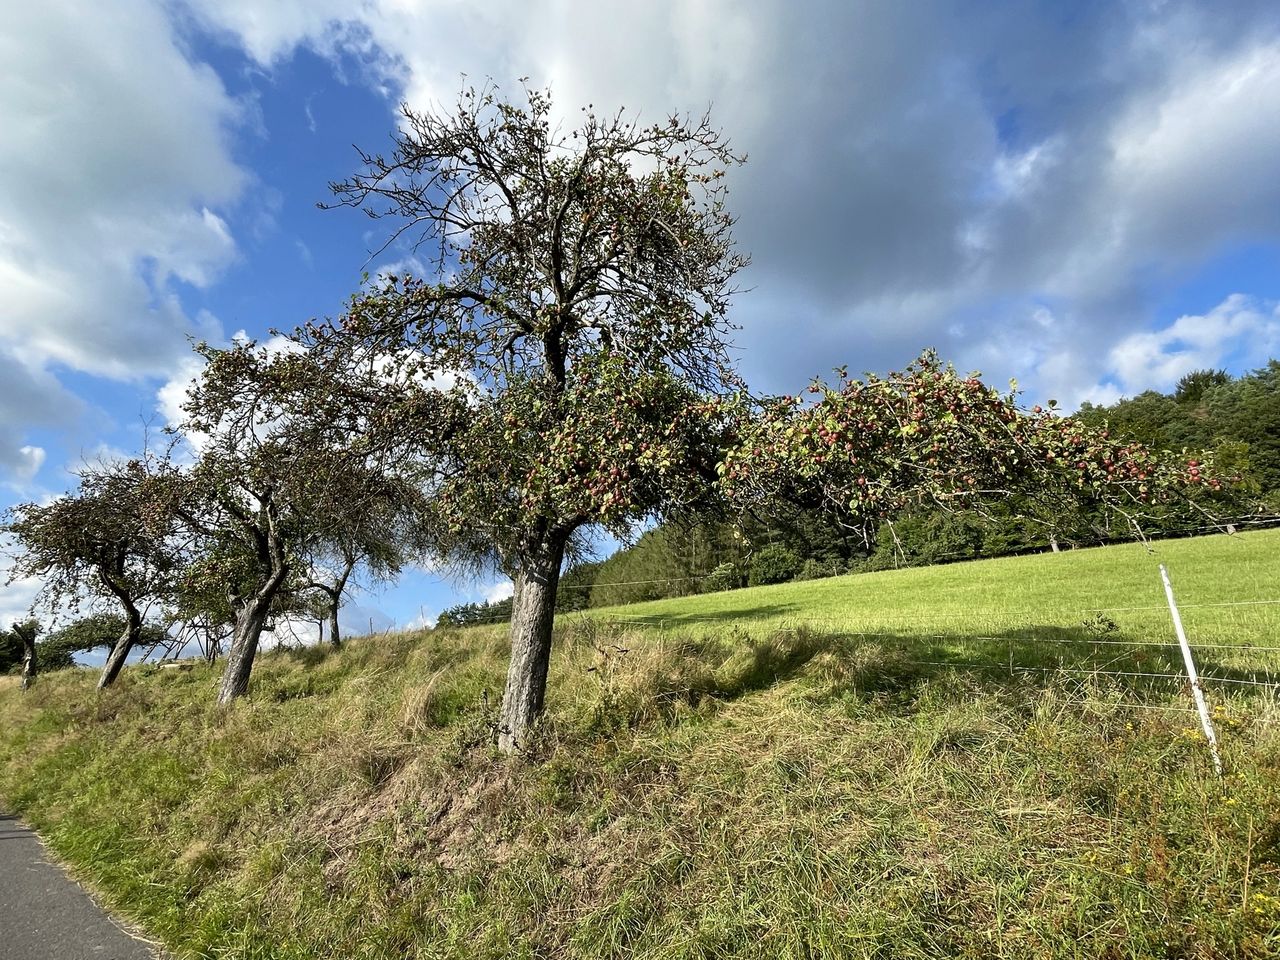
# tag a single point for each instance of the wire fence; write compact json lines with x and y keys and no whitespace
{"x":1129,"y":685}
{"x":1263,"y":675}
{"x":1132,"y":664}
{"x":1080,"y":660}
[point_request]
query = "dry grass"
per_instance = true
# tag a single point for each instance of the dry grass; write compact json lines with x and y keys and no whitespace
{"x":711,"y":791}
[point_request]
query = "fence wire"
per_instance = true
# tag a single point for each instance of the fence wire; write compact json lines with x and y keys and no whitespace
{"x":1117,"y":657}
{"x":1259,"y":676}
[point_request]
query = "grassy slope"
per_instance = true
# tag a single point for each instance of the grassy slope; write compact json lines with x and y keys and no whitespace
{"x":740,"y":783}
{"x":1017,"y":593}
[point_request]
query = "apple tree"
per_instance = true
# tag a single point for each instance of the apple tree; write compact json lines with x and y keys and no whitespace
{"x":367,"y":532}
{"x":281,"y":473}
{"x":110,"y":540}
{"x":573,"y":308}
{"x":866,"y":450}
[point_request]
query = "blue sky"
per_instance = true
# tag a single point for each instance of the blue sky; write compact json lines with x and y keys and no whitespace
{"x":1081,"y":195}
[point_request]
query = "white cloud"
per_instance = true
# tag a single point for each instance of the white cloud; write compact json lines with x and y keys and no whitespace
{"x":32,"y":459}
{"x":15,"y":598}
{"x":497,"y":592}
{"x":274,"y":346}
{"x":1193,"y":165}
{"x":1176,"y":169}
{"x":269,"y":32}
{"x":289,"y":632}
{"x":30,"y":397}
{"x":423,"y":621}
{"x":409,"y":265}
{"x":113,"y":165}
{"x":1240,"y":328}
{"x":175,"y":392}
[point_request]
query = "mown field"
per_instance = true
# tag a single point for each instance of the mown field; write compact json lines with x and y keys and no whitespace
{"x":918,"y":763}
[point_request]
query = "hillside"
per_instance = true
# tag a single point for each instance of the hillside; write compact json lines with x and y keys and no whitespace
{"x":1037,"y":592}
{"x":914,"y":763}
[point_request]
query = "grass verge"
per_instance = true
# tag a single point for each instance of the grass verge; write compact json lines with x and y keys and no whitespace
{"x":770,"y":784}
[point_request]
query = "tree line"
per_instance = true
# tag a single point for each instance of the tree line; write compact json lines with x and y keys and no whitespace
{"x":562,"y":368}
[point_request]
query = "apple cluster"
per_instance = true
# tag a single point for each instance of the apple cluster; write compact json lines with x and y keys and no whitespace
{"x":872,"y":447}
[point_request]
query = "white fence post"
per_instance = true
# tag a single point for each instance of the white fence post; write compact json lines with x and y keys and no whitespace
{"x":1196,"y":690}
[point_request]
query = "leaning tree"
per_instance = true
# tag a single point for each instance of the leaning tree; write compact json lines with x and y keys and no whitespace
{"x":19,"y":643}
{"x":110,"y":540}
{"x":866,"y":450}
{"x":282,"y":471}
{"x":573,"y":308}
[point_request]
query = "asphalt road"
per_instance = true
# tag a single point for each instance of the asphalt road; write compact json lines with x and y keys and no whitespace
{"x":45,"y":915}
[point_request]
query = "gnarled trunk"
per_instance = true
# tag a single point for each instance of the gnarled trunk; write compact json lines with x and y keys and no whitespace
{"x":116,"y":658}
{"x":28,"y":655}
{"x":532,"y":618}
{"x":252,"y":611}
{"x":335,"y":635}
{"x":251,"y":618}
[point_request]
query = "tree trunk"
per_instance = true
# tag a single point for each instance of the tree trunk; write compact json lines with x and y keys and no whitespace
{"x":115,"y":659}
{"x":335,"y":635}
{"x":532,"y":618}
{"x":250,"y":621}
{"x":28,"y":657}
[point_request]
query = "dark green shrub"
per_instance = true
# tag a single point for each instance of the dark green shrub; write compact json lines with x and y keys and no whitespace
{"x":773,"y":564}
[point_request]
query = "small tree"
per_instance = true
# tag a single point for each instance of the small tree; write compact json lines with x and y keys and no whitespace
{"x":109,"y":540}
{"x":369,"y":527}
{"x":332,"y":588}
{"x":239,"y":557}
{"x":577,"y":306}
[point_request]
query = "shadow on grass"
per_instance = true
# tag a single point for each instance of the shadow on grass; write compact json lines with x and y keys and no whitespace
{"x":1053,"y":653}
{"x":763,"y":612}
{"x":770,"y":661}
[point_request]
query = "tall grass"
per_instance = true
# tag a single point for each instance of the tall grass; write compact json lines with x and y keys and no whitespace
{"x":746,"y":786}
